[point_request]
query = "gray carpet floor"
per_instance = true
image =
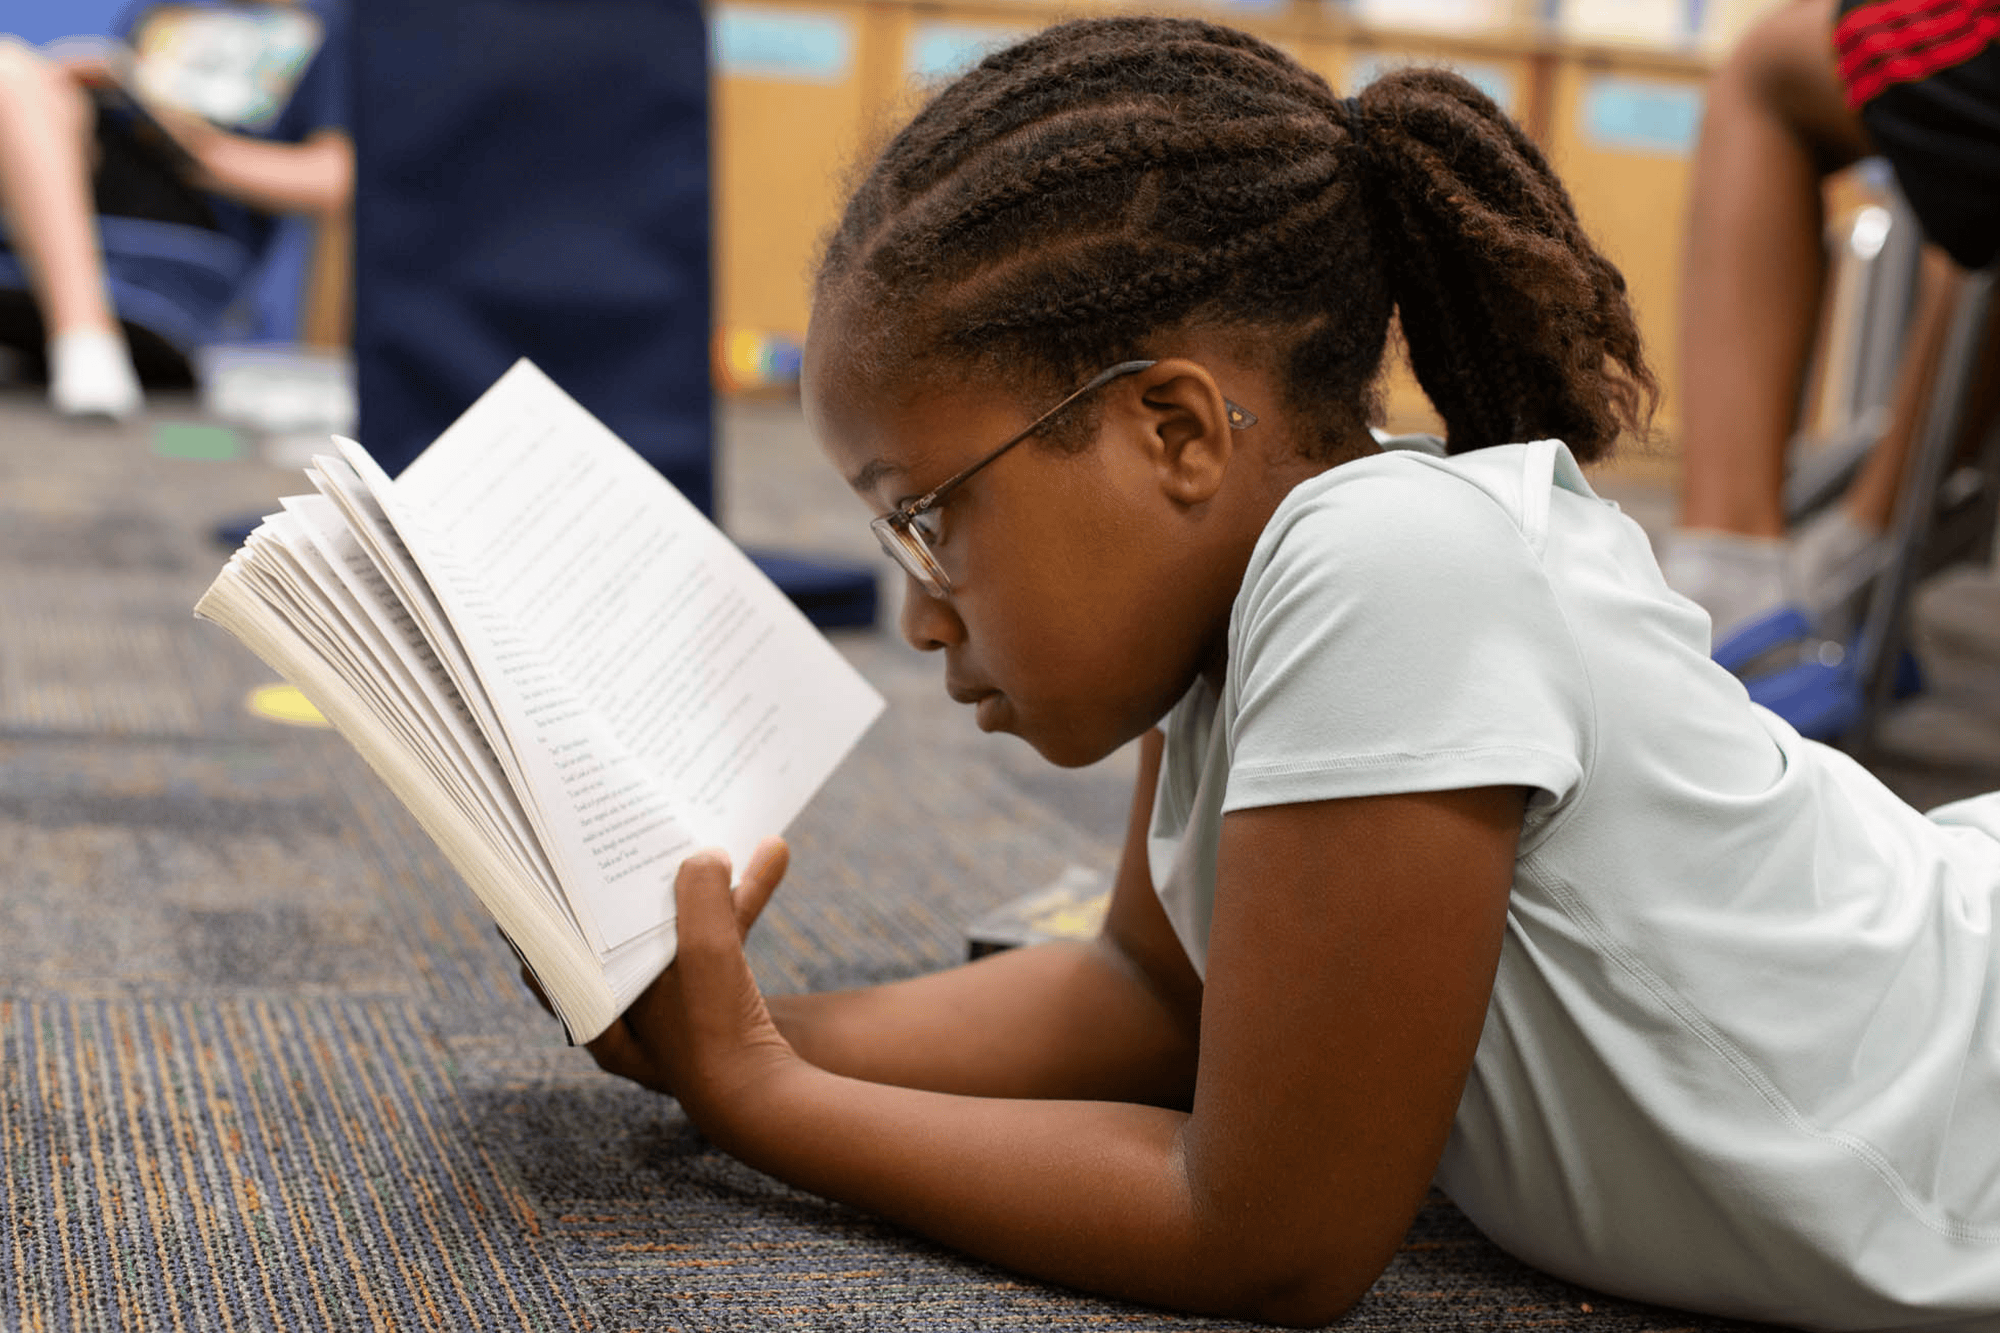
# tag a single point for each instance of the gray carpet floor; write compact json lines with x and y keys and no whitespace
{"x":265,"y":1065}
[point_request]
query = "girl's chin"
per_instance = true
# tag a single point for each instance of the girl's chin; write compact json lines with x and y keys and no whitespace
{"x":1064,"y":748}
{"x":990,"y":713}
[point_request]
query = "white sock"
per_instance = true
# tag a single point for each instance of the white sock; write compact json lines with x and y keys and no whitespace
{"x":1732,"y":577}
{"x":91,"y":374}
{"x":1833,"y":562}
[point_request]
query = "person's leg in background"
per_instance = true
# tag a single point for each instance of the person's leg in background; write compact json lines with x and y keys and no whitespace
{"x":46,"y":126}
{"x":1776,"y":126}
{"x":1870,"y":502}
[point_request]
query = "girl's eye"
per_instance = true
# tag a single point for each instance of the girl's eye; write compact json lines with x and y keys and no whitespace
{"x":928,"y":525}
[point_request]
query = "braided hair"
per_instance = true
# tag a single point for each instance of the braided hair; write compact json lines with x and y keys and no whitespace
{"x":1078,"y":194}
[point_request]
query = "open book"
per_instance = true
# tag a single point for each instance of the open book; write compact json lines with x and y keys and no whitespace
{"x":571,"y":678}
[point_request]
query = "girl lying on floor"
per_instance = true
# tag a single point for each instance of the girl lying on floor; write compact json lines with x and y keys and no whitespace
{"x":1453,"y":857}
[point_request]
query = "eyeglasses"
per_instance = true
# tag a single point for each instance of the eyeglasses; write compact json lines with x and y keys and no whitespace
{"x":907,"y":531}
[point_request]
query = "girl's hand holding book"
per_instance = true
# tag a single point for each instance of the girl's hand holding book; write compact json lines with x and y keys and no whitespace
{"x":702,"y":1031}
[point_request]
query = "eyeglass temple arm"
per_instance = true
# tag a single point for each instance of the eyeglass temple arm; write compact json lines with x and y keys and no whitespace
{"x":1097,"y":381}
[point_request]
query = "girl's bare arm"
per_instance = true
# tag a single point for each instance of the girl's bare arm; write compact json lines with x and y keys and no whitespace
{"x":1352,"y":952}
{"x":1115,"y":1018}
{"x":315,"y":177}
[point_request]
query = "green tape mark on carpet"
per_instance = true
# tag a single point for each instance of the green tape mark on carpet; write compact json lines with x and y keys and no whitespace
{"x":183,"y":439}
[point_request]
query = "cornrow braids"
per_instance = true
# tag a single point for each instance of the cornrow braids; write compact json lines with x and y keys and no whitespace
{"x":1081,"y":194}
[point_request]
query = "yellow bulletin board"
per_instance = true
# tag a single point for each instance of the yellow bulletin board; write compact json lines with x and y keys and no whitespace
{"x":790,"y":107}
{"x":1507,"y":65}
{"x":1622,"y":137}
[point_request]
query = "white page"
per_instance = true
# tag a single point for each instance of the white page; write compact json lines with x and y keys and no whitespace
{"x":610,"y":830}
{"x":652,"y":675}
{"x":548,"y":720}
{"x":319,"y":537}
{"x":339,"y":483}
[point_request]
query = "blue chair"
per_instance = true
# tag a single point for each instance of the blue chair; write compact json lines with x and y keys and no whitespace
{"x":175,"y":287}
{"x":1946,"y":514}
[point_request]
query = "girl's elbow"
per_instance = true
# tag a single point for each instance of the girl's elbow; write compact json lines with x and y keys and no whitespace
{"x":1290,"y":1285}
{"x":1304,"y":1300}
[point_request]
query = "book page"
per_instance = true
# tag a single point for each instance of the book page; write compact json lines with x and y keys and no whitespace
{"x":648,"y":674}
{"x":317,"y":536}
{"x":252,"y":598}
{"x":285,"y":570}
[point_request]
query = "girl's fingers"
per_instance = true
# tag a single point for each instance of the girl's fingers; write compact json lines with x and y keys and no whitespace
{"x":711,"y":922}
{"x":618,"y":1052}
{"x":705,"y":917}
{"x":704,"y":1011}
{"x":760,"y":880}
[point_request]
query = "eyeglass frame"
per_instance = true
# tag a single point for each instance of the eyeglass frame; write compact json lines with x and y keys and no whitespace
{"x":906,"y":543}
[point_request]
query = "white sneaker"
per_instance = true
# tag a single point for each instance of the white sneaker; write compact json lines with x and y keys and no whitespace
{"x":1833,"y":564}
{"x":91,"y":375}
{"x":1736,"y":579}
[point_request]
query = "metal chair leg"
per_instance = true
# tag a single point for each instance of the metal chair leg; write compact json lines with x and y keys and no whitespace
{"x":1885,"y":628}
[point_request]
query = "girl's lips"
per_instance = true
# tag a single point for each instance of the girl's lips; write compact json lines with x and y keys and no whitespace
{"x":988,"y":702}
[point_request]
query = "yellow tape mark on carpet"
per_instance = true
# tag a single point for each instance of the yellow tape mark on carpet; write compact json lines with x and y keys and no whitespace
{"x":282,"y":703}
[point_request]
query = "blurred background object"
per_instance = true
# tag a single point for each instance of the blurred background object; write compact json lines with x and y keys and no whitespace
{"x":42,"y":21}
{"x":533,"y":181}
{"x":178,"y":174}
{"x":754,"y":361}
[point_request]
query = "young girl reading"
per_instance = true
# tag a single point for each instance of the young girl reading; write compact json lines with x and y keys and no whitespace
{"x":1453,"y":858}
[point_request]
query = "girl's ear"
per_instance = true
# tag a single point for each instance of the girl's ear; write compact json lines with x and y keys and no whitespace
{"x":1187,"y":429}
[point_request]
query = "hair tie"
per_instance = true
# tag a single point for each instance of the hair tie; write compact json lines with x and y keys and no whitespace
{"x":1352,"y":106}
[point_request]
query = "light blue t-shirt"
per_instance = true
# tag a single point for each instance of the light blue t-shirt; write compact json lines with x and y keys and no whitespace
{"x":1742,"y":1053}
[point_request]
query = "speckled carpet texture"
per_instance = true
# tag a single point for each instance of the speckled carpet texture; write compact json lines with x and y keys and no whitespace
{"x":264,"y":1063}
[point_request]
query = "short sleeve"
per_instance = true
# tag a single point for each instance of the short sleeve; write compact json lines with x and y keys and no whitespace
{"x":320,"y":101}
{"x":1396,"y":632}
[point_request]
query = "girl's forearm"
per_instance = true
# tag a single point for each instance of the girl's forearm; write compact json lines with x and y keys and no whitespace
{"x":1060,"y":1020}
{"x":1092,"y":1195}
{"x":315,"y":177}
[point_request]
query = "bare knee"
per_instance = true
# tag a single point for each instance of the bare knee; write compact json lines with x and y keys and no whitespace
{"x":1784,"y":69}
{"x":22,"y":65}
{"x":32,"y":83}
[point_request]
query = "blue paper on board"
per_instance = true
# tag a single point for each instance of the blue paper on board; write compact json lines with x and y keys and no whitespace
{"x":946,"y":50}
{"x":747,"y":41}
{"x":1641,"y":115}
{"x":1492,"y":80}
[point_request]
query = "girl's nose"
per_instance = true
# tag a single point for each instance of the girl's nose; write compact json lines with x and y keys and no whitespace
{"x":928,"y":623}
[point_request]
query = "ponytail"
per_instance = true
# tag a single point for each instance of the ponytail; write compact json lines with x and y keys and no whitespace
{"x":1517,"y":326}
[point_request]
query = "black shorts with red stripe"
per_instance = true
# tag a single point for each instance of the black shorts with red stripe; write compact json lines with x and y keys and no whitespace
{"x":1925,"y":76}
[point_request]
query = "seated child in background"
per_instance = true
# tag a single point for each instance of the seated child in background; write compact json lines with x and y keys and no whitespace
{"x":69,"y":154}
{"x":1453,"y":858}
{"x":1815,"y":86}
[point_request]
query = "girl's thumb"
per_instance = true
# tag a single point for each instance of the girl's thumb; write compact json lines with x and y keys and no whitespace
{"x":702,"y":911}
{"x":760,"y":880}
